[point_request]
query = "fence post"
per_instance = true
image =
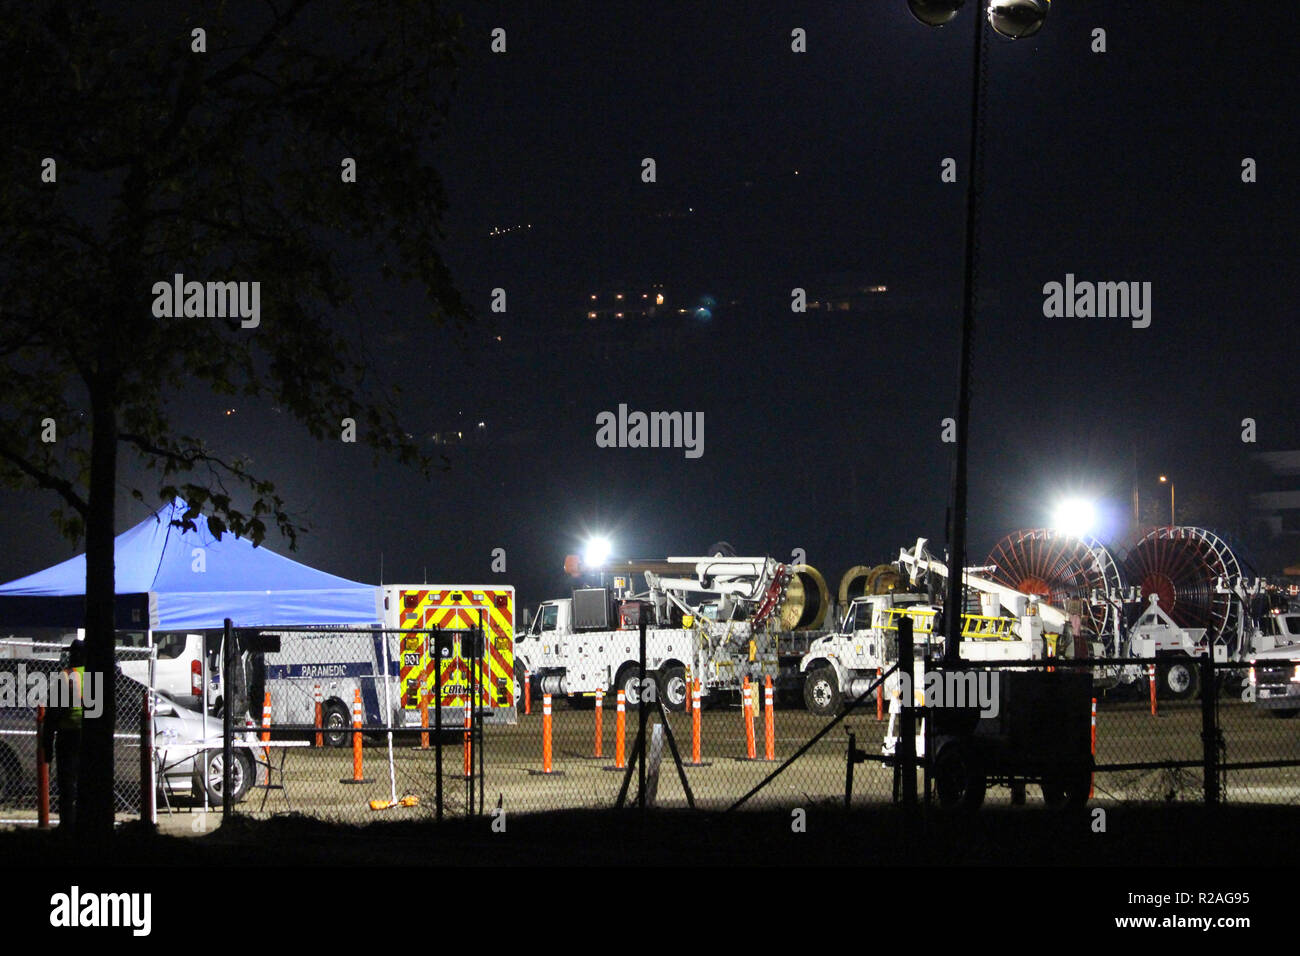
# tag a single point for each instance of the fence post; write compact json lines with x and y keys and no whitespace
{"x":468,"y":747}
{"x":1209,"y":730}
{"x":600,"y":708}
{"x":437,"y":720}
{"x":905,"y":751}
{"x":227,"y":719}
{"x":1092,"y":777}
{"x":146,"y":759}
{"x":1151,"y":679}
{"x":42,"y":773}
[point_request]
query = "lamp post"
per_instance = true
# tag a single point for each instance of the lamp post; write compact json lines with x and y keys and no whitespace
{"x":1164,"y":479}
{"x":1014,"y":19}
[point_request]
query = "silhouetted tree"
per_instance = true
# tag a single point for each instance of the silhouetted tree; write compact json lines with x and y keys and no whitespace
{"x":217,"y":155}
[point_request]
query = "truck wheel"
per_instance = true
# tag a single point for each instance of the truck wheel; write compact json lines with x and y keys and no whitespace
{"x":1066,"y":790}
{"x":959,"y":777}
{"x":336,"y":721}
{"x":821,"y":692}
{"x":1178,"y":678}
{"x":629,"y":683}
{"x":672,"y":688}
{"x":242,"y":776}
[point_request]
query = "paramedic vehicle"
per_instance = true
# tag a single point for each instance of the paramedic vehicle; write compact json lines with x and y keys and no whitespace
{"x":395,"y":664}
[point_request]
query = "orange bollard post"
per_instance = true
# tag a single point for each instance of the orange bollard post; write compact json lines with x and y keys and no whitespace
{"x":747,"y":711}
{"x":528,"y":692}
{"x":1151,"y":679}
{"x":1092,"y":778}
{"x":424,"y":718}
{"x":695,"y":723}
{"x":547,"y":753}
{"x":600,"y":708}
{"x":880,"y":695}
{"x":620,"y":731}
{"x":42,"y":773}
{"x":266,"y":725}
{"x":769,"y":722}
{"x":357,"y":718}
{"x":320,"y":715}
{"x":546,"y":733}
{"x":469,"y":744}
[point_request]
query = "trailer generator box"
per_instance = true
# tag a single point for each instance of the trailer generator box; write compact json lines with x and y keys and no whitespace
{"x":591,"y":609}
{"x":1041,"y":716}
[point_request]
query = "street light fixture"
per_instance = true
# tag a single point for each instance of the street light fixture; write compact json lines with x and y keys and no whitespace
{"x":1013,"y":19}
{"x":1163,"y":480}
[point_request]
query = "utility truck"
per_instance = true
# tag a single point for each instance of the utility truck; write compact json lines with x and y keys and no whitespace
{"x":1008,"y":626}
{"x":705,"y":618}
{"x":1274,"y":677}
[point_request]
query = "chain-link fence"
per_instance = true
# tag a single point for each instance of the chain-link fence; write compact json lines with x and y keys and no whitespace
{"x":31,"y":681}
{"x":344,"y":727}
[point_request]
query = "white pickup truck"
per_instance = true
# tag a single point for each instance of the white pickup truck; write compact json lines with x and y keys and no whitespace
{"x":1275,"y":665}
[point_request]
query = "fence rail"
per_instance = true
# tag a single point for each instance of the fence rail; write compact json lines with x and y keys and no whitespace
{"x":743,"y":750}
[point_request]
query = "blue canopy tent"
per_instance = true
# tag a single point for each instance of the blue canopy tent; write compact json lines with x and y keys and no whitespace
{"x":170,"y":579}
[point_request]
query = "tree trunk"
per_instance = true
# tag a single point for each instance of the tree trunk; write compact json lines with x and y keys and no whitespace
{"x":95,"y":801}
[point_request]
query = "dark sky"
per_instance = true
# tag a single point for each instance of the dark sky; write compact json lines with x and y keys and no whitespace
{"x":821,"y":433}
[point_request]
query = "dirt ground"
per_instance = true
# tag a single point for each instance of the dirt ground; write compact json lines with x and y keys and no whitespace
{"x":512,"y":758}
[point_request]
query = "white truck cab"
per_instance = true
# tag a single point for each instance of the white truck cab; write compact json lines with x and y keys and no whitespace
{"x":1275,"y":667}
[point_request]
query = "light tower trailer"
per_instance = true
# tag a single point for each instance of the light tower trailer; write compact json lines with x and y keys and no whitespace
{"x":1039,"y":734}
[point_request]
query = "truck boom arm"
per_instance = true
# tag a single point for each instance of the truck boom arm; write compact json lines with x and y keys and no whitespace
{"x":918,"y":560}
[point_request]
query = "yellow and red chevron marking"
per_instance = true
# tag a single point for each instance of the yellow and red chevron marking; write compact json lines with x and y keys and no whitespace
{"x":460,"y":609}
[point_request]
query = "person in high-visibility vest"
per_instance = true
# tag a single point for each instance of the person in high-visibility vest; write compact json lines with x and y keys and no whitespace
{"x":62,"y":736}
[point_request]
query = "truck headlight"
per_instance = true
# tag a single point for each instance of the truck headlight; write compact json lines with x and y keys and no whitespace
{"x":1250,"y":675}
{"x":1295,"y":675}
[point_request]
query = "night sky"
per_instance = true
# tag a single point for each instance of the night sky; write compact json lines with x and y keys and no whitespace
{"x":785,"y":170}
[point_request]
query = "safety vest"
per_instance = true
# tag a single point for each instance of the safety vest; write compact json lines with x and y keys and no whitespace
{"x":70,"y":719}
